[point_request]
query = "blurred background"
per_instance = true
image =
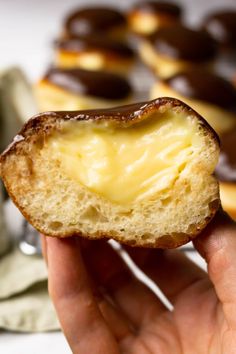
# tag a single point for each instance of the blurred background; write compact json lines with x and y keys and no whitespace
{"x":28,"y":30}
{"x":29,"y":27}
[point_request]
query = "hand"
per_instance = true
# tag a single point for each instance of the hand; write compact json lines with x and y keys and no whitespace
{"x":104,"y":309}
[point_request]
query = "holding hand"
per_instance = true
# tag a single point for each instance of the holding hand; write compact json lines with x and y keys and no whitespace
{"x":104,"y":309}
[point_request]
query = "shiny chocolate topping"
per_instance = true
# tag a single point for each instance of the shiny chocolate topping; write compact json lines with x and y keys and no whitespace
{"x":179,"y":42}
{"x":222,"y":27}
{"x":205,"y":86}
{"x":98,"y":43}
{"x":92,"y":83}
{"x":117,"y":115}
{"x":93,"y":19}
{"x":159,"y":7}
{"x":226,"y":168}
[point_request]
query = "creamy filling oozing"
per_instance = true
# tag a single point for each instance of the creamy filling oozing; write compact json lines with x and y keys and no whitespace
{"x":126,"y":164}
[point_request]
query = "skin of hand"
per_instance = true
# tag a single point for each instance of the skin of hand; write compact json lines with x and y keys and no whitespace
{"x":104,"y":309}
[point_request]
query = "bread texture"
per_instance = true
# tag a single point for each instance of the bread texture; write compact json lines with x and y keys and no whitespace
{"x":57,"y":204}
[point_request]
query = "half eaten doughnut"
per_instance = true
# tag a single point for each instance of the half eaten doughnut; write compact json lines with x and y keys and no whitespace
{"x":141,"y":174}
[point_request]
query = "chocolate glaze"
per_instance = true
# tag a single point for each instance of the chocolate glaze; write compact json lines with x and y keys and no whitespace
{"x":205,"y":86}
{"x":180,"y":42}
{"x":226,"y":168}
{"x":88,"y":43}
{"x":93,"y":20}
{"x":92,"y":83}
{"x":222,"y":26}
{"x":132,"y":113}
{"x":166,"y":8}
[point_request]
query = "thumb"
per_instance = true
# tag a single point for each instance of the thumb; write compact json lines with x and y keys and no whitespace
{"x":217,"y":245}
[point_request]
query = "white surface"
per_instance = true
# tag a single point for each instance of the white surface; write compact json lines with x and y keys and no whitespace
{"x":47,"y":343}
{"x":27,"y":29}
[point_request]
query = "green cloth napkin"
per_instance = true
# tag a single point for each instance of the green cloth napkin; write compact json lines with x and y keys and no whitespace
{"x":19,"y":272}
{"x":24,"y":302}
{"x":29,"y":311}
{"x":17,"y":103}
{"x":4,"y":237}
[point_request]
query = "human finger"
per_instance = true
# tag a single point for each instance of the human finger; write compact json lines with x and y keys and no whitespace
{"x":217,"y":245}
{"x":75,"y":303}
{"x":133,"y":297}
{"x":171,"y":270}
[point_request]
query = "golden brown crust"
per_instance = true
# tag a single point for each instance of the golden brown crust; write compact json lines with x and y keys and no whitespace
{"x":41,"y":125}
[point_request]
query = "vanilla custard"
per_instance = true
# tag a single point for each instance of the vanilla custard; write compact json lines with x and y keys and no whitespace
{"x":126,"y":164}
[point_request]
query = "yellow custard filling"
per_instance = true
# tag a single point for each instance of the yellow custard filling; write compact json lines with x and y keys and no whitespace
{"x":125,"y":164}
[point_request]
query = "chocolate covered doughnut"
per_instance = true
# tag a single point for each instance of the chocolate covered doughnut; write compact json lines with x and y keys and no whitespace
{"x":68,"y":89}
{"x":95,"y":20}
{"x":209,"y":94}
{"x":177,"y":48}
{"x":93,"y":52}
{"x":146,"y":17}
{"x":141,"y":174}
{"x":221,"y":25}
{"x":226,"y":172}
